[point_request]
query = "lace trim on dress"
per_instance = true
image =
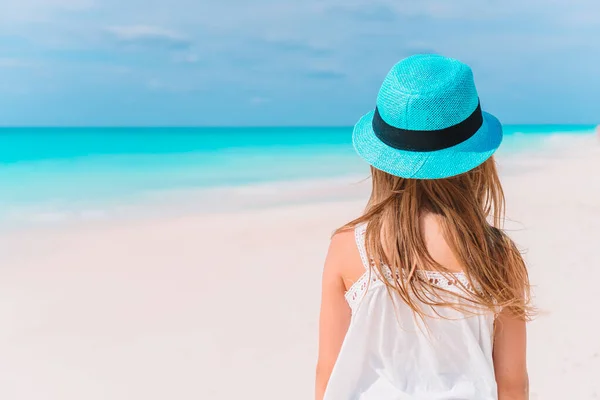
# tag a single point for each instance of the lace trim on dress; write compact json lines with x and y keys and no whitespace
{"x":453,"y":282}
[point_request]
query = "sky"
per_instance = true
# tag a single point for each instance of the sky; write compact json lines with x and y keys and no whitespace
{"x":282,"y":62}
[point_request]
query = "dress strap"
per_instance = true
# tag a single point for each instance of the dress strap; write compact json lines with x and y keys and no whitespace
{"x":359,"y":234}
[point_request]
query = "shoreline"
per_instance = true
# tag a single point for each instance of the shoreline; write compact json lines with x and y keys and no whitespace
{"x":175,"y":203}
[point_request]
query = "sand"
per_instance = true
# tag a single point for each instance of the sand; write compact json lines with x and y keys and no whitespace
{"x":224,"y":305}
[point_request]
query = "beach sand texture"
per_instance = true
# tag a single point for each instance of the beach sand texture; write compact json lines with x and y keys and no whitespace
{"x":225,"y":306}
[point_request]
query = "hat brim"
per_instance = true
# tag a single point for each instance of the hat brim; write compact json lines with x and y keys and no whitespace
{"x":437,"y":164}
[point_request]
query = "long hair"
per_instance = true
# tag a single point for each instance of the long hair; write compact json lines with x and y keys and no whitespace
{"x":470,"y":208}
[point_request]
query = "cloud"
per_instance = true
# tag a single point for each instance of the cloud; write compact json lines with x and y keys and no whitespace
{"x":186,"y":58}
{"x":582,"y":18}
{"x":15,"y":63}
{"x":371,"y":13}
{"x":173,"y":84}
{"x":444,"y":10}
{"x":27,"y":11}
{"x":294,"y":46}
{"x":258,"y":100}
{"x":325,"y":74}
{"x":149,"y":36}
{"x":268,"y":56}
{"x":60,"y":4}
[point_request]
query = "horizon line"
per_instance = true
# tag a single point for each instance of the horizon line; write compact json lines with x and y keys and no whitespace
{"x":245,"y":126}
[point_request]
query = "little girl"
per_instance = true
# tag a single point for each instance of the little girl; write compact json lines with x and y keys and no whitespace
{"x":424,"y":296}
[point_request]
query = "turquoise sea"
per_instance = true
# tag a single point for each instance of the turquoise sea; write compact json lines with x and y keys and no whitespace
{"x":46,"y":173}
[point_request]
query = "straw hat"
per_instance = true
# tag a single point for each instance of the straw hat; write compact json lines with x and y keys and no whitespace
{"x":428,"y":123}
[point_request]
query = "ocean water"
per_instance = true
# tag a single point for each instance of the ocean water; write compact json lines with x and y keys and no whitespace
{"x":51,"y":174}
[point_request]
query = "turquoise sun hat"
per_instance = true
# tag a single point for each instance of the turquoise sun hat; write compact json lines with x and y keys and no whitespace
{"x":428,"y":122}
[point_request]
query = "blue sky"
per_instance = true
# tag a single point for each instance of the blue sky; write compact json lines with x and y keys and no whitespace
{"x":278,"y":62}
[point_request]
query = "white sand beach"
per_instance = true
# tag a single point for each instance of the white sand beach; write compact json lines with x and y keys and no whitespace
{"x":225,"y":306}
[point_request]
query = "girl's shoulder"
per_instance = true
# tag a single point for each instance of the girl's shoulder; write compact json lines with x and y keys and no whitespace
{"x":343,"y":246}
{"x":344,"y":256}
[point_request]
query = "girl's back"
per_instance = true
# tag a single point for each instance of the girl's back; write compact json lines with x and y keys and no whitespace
{"x":388,"y":353}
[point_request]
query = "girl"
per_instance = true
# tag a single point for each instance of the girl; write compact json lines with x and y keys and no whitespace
{"x":424,"y":296}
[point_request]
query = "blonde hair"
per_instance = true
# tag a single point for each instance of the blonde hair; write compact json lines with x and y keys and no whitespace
{"x":470,"y":207}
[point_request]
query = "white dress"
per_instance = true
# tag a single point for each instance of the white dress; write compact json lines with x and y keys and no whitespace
{"x":388,"y":354}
